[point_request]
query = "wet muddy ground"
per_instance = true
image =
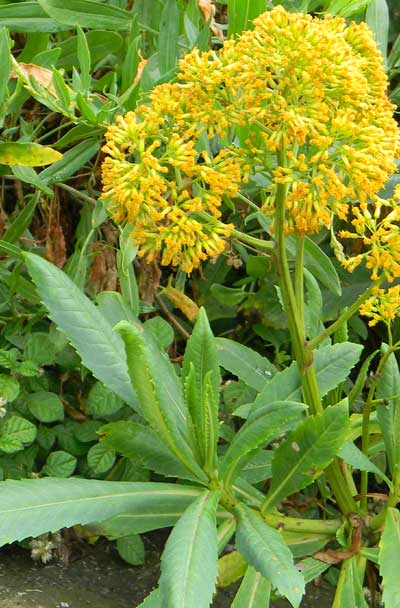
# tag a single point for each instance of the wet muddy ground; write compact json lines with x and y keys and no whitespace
{"x":98,"y":579}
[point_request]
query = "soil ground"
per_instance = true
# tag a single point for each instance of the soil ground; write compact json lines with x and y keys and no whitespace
{"x":98,"y":579}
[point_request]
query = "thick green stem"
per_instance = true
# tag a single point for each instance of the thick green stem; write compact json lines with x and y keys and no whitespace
{"x":302,"y":353}
{"x":299,"y":278}
{"x":310,"y":526}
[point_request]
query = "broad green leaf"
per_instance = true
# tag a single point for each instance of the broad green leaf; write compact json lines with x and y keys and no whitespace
{"x":161,"y":402}
{"x":87,"y":431}
{"x":36,"y":506}
{"x":45,"y":406}
{"x":27,"y":17}
{"x":259,"y":468}
{"x":40,"y":348}
{"x":59,"y":464}
{"x":46,"y":437}
{"x":27,"y":154}
{"x":189,"y":560}
{"x":87,"y":13}
{"x":241,"y":14}
{"x":263,"y":548}
{"x":100,"y":458}
{"x":131,"y":549}
{"x":15,"y":432}
{"x":311,"y":568}
{"x":389,"y":558}
{"x":254,"y":591}
{"x":377,"y":19}
{"x":9,"y":387}
{"x":306,"y":452}
{"x":349,"y":591}
{"x":353,"y":456}
{"x":5,"y":62}
{"x":370,"y":553}
{"x":245,"y":363}
{"x":102,"y":402}
{"x":332,"y":364}
{"x":142,"y":443}
{"x":114,"y":308}
{"x":168,"y":38}
{"x":102,"y":350}
{"x":161,"y":331}
{"x":388,"y":412}
{"x":21,"y":222}
{"x":277,"y":418}
{"x":347,"y":8}
{"x":153,"y":600}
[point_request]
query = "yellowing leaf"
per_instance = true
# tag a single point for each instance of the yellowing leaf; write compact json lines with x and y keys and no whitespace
{"x":27,"y":154}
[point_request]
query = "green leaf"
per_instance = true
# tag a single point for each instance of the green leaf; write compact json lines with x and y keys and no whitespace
{"x":36,"y":506}
{"x":161,"y":331}
{"x":353,"y":456}
{"x":270,"y":422}
{"x":100,"y":458}
{"x":306,"y":452}
{"x":102,"y":402}
{"x":349,"y":591}
{"x":9,"y":387}
{"x":161,"y":402}
{"x":377,"y":19}
{"x":27,"y":154}
{"x":46,"y":437}
{"x":241,"y":14}
{"x":131,"y":549}
{"x":87,"y":431}
{"x":389,"y":558}
{"x":388,"y":412}
{"x":142,"y":443}
{"x":332,"y":366}
{"x":27,"y":17}
{"x":40,"y":348}
{"x":153,"y":600}
{"x":189,"y":560}
{"x":21,"y":222}
{"x":101,"y":349}
{"x":263,"y":548}
{"x":87,"y":13}
{"x":45,"y":406}
{"x":84,"y":59}
{"x":72,"y":161}
{"x":254,"y":591}
{"x":29,"y":176}
{"x":15,"y":432}
{"x":100,"y":42}
{"x":59,"y":464}
{"x":168,"y":37}
{"x":245,"y":363}
{"x":259,"y":468}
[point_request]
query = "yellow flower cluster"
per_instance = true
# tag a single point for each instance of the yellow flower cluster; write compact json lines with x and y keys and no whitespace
{"x":298,"y":100}
{"x":383,"y":305}
{"x":156,"y":179}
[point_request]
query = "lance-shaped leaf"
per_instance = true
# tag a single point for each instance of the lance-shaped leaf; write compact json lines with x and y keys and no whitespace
{"x":388,"y":412}
{"x":87,"y":13}
{"x":349,"y":591}
{"x":101,"y":349}
{"x":254,"y":591}
{"x":159,"y":392}
{"x":27,"y":154}
{"x":389,"y":558}
{"x":332,"y":366}
{"x":36,"y":506}
{"x":134,"y":440}
{"x":306,"y":452}
{"x":202,"y":380}
{"x":263,"y":548}
{"x":245,"y":363}
{"x":189,"y":561}
{"x":271,"y":421}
